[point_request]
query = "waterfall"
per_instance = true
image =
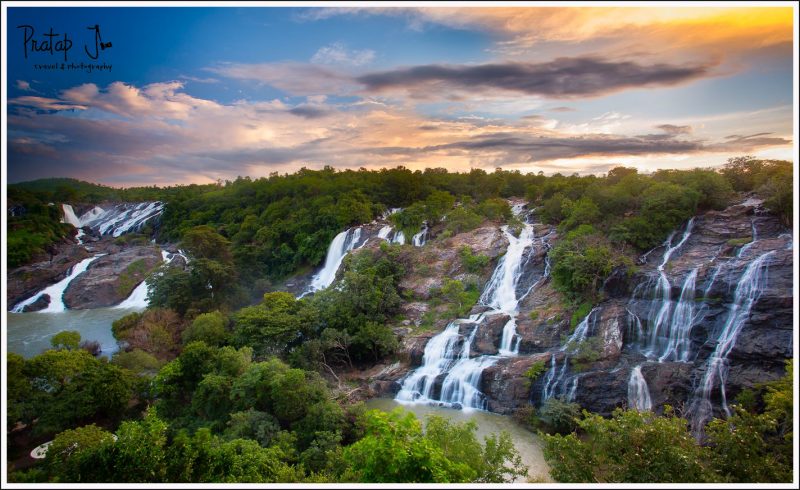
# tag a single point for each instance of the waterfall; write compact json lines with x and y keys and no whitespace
{"x":91,"y":215}
{"x":341,"y":244}
{"x":748,"y":289}
{"x":420,"y":238}
{"x":638,"y":393}
{"x":680,"y":325}
{"x":662,"y":316}
{"x":447,"y":355}
{"x":122,"y":218}
{"x":399,"y":238}
{"x":556,"y":379}
{"x":501,"y":291}
{"x":138,"y":297}
{"x":70,"y":217}
{"x":383,"y":233}
{"x":56,"y":291}
{"x":440,"y":353}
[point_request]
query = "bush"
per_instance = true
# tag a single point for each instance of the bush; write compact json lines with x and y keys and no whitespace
{"x":460,"y":220}
{"x":559,"y":416}
{"x":472,"y":263}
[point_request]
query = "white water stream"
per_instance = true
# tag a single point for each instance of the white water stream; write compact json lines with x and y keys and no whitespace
{"x":447,"y":360}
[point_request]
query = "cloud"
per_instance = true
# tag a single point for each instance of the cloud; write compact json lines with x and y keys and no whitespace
{"x":736,"y":32}
{"x":338,"y":54}
{"x":158,"y":134}
{"x":291,"y":77}
{"x":308,"y":111}
{"x":672,"y":129}
{"x":738,"y":143}
{"x":560,"y":78}
{"x":198,"y":79}
{"x":154,"y":100}
{"x":26,"y":86}
{"x":562,"y":109}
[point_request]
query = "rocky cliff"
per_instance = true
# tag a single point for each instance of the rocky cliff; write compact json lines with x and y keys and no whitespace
{"x":701,"y":323}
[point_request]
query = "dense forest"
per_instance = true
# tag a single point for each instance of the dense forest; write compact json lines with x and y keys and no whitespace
{"x":227,"y":379}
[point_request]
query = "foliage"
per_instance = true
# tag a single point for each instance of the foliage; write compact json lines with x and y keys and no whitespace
{"x":156,"y":331}
{"x":579,"y":314}
{"x":462,"y":219}
{"x":395,"y":449}
{"x":62,"y":388}
{"x":34,"y":227}
{"x":271,"y":326}
{"x":472,"y":263}
{"x":533,"y":372}
{"x":66,"y":339}
{"x":71,"y":455}
{"x":581,"y":262}
{"x":137,"y":361}
{"x":632,"y":446}
{"x":559,"y":416}
{"x":756,"y":447}
{"x":207,"y":327}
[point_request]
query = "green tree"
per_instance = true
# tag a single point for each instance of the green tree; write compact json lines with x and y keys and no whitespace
{"x":207,"y":327}
{"x":66,"y":339}
{"x":72,"y":457}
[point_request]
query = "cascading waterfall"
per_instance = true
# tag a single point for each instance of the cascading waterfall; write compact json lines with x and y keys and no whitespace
{"x":448,"y":353}
{"x":440,"y":354}
{"x":399,"y":238}
{"x":661,"y":318}
{"x":383,"y":233}
{"x":748,"y":289}
{"x":138,"y":297}
{"x":56,"y":291}
{"x":420,"y":238}
{"x":70,"y":216}
{"x":638,"y":392}
{"x":501,"y":292}
{"x":122,"y":218}
{"x":339,"y":247}
{"x":680,"y":325}
{"x":555,"y":381}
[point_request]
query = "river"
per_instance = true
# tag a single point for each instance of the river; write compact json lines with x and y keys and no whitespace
{"x":29,"y":333}
{"x":526,"y":442}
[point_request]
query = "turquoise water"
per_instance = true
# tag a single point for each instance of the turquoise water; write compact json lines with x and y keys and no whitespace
{"x":29,"y":334}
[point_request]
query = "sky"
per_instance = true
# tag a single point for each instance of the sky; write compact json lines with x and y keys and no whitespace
{"x":197,"y":94}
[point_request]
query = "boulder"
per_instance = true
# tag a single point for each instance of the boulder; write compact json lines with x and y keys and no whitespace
{"x":505,"y":384}
{"x":40,"y":304}
{"x":111,"y":278}
{"x":490,"y":333}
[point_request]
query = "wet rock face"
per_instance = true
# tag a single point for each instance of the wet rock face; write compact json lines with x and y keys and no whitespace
{"x":413,"y":348}
{"x":719,"y":251}
{"x":489,"y":334}
{"x":40,"y":304}
{"x":542,"y":320}
{"x":603,"y":391}
{"x":24,"y":282}
{"x":506,"y":385}
{"x":111,"y":278}
{"x":668,"y":382}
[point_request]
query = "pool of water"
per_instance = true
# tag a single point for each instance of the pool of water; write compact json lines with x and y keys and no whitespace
{"x":29,"y":334}
{"x":527,"y":443}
